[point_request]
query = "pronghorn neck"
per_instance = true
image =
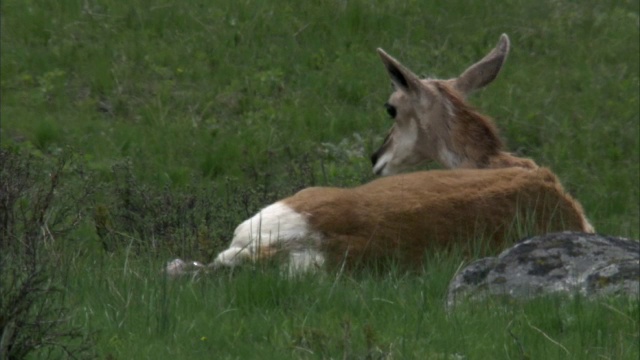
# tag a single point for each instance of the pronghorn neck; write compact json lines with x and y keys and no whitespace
{"x":473,"y":140}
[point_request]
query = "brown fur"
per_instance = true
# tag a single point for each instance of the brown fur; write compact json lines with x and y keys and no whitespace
{"x":404,"y":216}
{"x":475,"y":138}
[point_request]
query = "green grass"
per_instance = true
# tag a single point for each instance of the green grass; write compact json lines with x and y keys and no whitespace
{"x":204,"y":91}
{"x":185,"y":118}
{"x":254,"y":313}
{"x":258,"y":313}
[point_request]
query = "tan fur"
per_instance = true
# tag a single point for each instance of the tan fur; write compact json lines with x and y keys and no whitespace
{"x":403,"y":216}
{"x":434,"y":122}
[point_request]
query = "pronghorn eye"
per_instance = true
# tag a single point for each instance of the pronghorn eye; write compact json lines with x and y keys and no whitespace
{"x":391,"y":110}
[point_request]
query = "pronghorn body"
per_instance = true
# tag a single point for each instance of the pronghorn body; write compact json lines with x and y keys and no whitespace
{"x":401,"y":217}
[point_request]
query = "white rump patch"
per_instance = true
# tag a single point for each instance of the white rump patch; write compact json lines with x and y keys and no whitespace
{"x":275,"y":228}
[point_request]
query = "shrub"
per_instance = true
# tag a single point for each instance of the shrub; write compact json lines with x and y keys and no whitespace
{"x":36,"y":211}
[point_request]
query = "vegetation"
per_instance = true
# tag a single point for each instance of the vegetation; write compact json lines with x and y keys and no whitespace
{"x":136,"y":132}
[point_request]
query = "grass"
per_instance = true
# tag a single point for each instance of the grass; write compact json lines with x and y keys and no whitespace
{"x":204,"y":91}
{"x":261,"y":314}
{"x":185,"y":118}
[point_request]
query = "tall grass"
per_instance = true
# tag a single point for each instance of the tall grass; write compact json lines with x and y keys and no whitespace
{"x":187,"y":117}
{"x":259,"y":313}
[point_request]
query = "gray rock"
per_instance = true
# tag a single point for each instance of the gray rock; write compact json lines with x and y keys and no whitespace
{"x":567,"y":262}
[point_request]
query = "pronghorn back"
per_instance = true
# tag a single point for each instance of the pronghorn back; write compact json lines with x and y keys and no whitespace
{"x":402,"y":217}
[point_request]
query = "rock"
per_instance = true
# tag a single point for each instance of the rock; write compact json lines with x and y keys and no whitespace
{"x":567,"y":262}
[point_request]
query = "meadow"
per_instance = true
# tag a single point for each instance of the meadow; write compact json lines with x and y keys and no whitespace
{"x":136,"y":132}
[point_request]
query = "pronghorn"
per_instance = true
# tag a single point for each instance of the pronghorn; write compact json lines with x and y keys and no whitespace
{"x":401,"y":217}
{"x":432,"y":121}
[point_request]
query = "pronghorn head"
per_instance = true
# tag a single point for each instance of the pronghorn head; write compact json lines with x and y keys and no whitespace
{"x":432,"y":121}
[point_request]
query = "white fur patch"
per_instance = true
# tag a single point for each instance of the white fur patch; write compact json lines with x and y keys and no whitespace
{"x":586,"y":225}
{"x":402,"y":153}
{"x":305,"y":260}
{"x":381,"y":165}
{"x":277,"y":227}
{"x":449,"y":158}
{"x":408,"y":140}
{"x":449,"y":107}
{"x":179,"y":267}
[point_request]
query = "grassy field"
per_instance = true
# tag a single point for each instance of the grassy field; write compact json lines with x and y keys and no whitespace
{"x":135,"y":132}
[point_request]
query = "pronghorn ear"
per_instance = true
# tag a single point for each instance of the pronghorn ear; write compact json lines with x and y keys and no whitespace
{"x":401,"y":77}
{"x":484,"y":71}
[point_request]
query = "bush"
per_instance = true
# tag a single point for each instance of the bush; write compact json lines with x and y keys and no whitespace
{"x":36,"y":211}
